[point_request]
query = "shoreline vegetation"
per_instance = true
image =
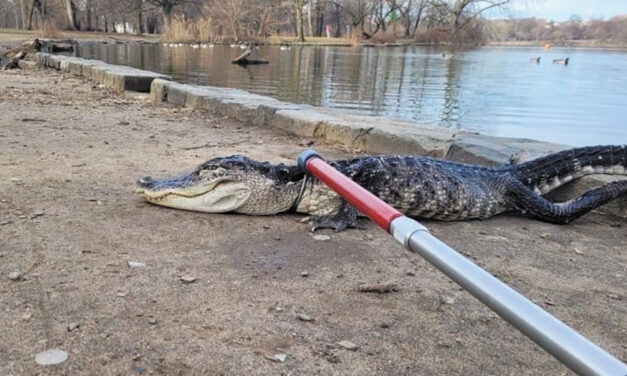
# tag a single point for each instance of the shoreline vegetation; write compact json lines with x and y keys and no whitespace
{"x":13,"y":37}
{"x":333,"y":22}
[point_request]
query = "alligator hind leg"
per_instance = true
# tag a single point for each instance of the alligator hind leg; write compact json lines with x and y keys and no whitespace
{"x":537,"y":206}
{"x":346,"y":217}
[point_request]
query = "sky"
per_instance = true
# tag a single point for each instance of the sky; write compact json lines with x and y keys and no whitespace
{"x":561,"y":10}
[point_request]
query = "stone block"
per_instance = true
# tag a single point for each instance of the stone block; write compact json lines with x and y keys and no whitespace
{"x":121,"y":78}
{"x":303,"y":122}
{"x":97,"y":74}
{"x":42,"y":59}
{"x":493,"y":151}
{"x":177,"y":93}
{"x":89,"y":66}
{"x":401,"y":138}
{"x":64,"y":66}
{"x":159,"y":90}
{"x":75,"y":67}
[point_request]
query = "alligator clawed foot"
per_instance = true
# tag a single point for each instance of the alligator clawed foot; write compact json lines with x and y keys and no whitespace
{"x":336,"y":224}
{"x":345,"y":218}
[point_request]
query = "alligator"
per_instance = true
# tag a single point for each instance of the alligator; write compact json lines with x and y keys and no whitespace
{"x":419,"y":186}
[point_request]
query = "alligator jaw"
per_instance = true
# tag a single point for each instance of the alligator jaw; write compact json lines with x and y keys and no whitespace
{"x":217,"y":196}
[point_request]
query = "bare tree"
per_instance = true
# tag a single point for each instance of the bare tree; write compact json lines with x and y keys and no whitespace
{"x":266,"y":16}
{"x":33,"y":4}
{"x":140,"y":18}
{"x":229,"y":14}
{"x":411,"y":14}
{"x":319,"y":9}
{"x":16,"y":14}
{"x":298,"y":6}
{"x":309,"y":18}
{"x":357,"y":11}
{"x":462,"y":12}
{"x":70,"y":13}
{"x":383,"y":9}
{"x":167,"y":6}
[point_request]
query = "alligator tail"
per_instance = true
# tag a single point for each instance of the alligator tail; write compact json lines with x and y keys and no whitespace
{"x":547,"y":173}
{"x":530,"y":203}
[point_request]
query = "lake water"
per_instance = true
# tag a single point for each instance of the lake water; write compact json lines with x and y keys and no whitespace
{"x":494,"y":91}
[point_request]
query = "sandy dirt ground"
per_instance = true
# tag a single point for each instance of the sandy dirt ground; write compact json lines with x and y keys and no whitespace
{"x":70,"y":153}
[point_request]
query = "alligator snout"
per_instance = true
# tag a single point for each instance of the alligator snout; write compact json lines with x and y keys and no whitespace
{"x":146,"y":182}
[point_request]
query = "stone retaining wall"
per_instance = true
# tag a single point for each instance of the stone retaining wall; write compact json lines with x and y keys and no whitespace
{"x":371,"y":134}
{"x":116,"y":77}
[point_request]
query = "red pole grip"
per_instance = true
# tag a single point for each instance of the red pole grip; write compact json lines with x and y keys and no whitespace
{"x":367,"y":203}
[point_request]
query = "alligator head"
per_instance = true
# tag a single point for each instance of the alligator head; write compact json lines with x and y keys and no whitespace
{"x":229,"y":184}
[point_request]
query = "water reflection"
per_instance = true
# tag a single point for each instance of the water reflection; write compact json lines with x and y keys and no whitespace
{"x":490,"y":90}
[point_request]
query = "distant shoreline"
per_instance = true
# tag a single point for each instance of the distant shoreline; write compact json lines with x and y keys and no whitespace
{"x":561,"y":44}
{"x":15,"y":36}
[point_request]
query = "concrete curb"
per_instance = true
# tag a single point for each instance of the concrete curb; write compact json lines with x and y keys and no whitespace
{"x":118,"y":78}
{"x":371,"y":134}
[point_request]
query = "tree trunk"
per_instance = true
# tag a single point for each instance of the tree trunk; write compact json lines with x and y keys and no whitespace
{"x":17,"y":16}
{"x":338,"y":20}
{"x":418,"y":16}
{"x":29,"y":17}
{"x":382,"y":17}
{"x":456,"y":13}
{"x":167,"y":13}
{"x":309,"y":16}
{"x":407,"y":19}
{"x":70,"y":13}
{"x":319,"y":22}
{"x":299,"y":22}
{"x":455,"y":28}
{"x":234,"y":30}
{"x":88,"y":6}
{"x":23,"y":13}
{"x":140,"y":21}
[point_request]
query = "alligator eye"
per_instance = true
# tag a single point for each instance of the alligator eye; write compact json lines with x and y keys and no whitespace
{"x":145,"y":182}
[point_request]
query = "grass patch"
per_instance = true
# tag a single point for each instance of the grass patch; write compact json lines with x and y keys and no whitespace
{"x":181,"y":30}
{"x":49,"y":30}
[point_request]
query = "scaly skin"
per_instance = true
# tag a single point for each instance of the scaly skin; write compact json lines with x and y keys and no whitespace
{"x":421,"y":187}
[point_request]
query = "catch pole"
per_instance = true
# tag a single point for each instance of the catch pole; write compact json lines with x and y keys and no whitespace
{"x":558,"y":339}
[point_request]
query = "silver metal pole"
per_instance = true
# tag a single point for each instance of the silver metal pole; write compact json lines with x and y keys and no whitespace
{"x":569,"y":347}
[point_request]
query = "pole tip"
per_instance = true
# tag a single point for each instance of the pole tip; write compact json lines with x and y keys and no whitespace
{"x":306,"y":155}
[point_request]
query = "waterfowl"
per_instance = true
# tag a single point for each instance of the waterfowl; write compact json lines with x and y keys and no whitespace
{"x":561,"y":61}
{"x":535,"y":60}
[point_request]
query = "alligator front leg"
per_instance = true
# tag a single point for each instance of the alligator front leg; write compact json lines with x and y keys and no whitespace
{"x":346,"y":217}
